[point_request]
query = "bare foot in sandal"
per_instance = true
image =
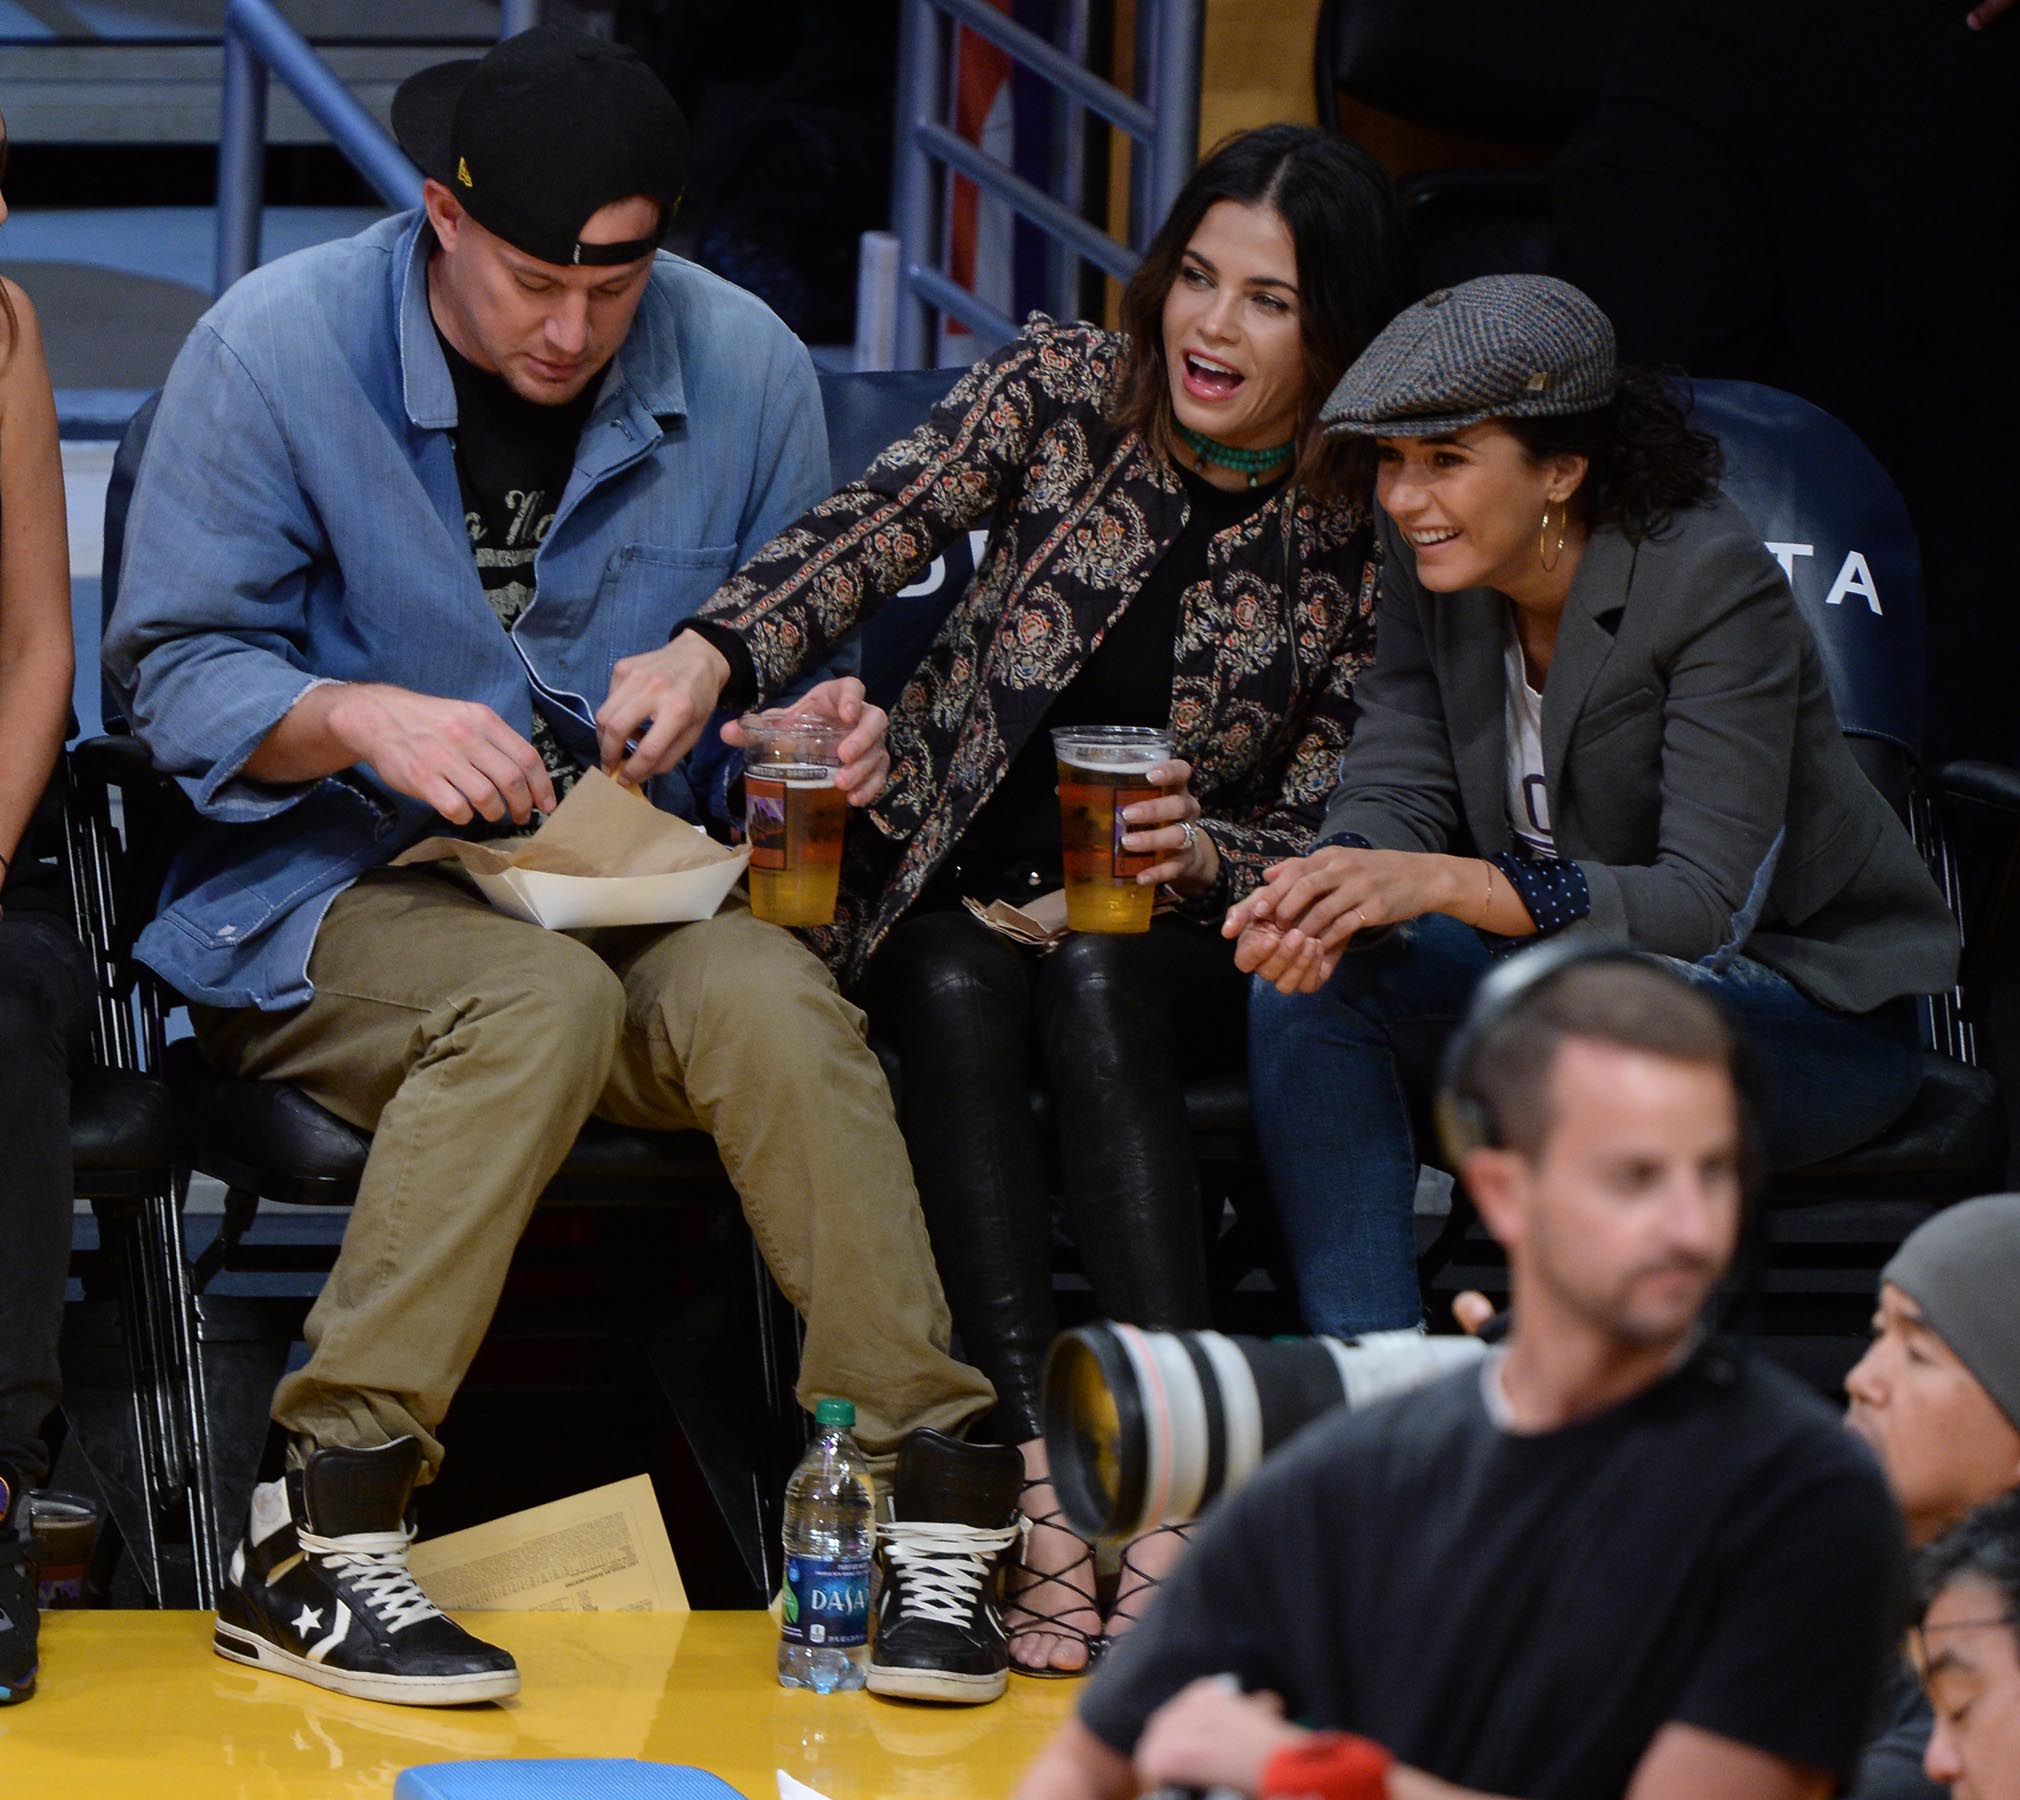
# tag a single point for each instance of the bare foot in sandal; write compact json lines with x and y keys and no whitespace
{"x":1050,"y":1614}
{"x":1146,"y":1561}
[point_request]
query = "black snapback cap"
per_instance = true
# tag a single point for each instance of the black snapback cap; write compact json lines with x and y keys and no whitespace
{"x":538,"y":134}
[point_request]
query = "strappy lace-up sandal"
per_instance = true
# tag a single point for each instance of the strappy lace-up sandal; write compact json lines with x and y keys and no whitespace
{"x":1029,"y":1584}
{"x":1136,"y":1583}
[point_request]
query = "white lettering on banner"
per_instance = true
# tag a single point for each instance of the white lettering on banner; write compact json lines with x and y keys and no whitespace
{"x":1786,"y":555}
{"x":936,"y":573}
{"x":1854,"y":578}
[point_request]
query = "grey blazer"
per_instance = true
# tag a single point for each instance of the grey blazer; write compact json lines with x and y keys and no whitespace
{"x":1695,"y":769}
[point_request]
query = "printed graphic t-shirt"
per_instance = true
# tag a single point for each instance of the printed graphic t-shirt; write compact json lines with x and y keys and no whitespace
{"x":513,"y":458}
{"x":1528,"y":796}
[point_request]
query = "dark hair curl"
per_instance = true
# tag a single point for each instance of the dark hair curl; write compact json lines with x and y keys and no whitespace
{"x":1644,"y":463}
{"x":1355,"y":270}
{"x":1984,"y":1546}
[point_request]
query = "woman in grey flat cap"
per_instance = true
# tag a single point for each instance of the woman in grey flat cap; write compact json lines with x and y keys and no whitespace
{"x":1593,"y":707}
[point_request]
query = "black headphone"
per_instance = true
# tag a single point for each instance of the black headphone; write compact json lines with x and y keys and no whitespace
{"x":1464,"y":1119}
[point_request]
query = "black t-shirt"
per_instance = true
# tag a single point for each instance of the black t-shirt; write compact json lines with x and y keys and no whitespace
{"x":1523,"y":1613}
{"x":1127,"y":681}
{"x":513,"y":459}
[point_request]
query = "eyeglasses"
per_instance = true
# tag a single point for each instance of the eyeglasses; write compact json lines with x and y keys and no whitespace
{"x":1918,"y":1638}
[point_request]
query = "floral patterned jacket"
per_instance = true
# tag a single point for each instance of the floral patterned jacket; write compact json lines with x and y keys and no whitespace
{"x":1079,"y":513}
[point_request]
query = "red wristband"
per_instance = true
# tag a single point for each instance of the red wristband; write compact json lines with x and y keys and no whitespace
{"x":1328,"y":1765}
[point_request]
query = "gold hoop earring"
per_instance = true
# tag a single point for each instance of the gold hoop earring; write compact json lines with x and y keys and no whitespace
{"x":1549,"y":561}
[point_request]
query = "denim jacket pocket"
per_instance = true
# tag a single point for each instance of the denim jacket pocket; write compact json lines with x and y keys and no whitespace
{"x":231,"y":882}
{"x":674,"y":577}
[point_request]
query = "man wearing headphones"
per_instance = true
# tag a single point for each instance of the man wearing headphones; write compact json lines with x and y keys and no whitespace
{"x":1619,"y":1559}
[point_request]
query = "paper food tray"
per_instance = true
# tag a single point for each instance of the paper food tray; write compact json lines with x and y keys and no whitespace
{"x":578,"y":902}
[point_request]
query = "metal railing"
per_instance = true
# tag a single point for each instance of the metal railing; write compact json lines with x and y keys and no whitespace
{"x":1163,"y":126}
{"x":260,"y":44}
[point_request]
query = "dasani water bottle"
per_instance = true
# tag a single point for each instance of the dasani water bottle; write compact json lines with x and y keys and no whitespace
{"x":830,"y":1530}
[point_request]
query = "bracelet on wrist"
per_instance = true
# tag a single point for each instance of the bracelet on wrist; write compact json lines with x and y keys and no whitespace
{"x":1328,"y":1765}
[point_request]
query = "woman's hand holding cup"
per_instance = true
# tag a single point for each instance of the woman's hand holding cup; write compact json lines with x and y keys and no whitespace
{"x":1168,"y":827}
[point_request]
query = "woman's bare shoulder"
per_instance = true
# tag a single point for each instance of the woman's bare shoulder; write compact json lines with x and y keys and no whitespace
{"x":24,"y":369}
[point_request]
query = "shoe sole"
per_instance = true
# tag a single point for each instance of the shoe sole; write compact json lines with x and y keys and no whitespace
{"x":896,"y":1683}
{"x":238,"y":1646}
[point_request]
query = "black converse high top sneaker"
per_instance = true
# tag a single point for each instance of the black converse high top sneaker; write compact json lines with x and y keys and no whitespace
{"x":19,"y":1620}
{"x":940,"y":1619}
{"x":319,"y":1589}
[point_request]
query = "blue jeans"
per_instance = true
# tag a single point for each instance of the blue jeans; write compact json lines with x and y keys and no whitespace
{"x":1332,"y":1075}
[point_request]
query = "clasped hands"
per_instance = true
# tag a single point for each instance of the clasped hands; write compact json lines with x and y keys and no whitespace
{"x":1293,"y":929}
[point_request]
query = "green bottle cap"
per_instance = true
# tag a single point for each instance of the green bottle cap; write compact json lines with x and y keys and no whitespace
{"x":836,"y":1412}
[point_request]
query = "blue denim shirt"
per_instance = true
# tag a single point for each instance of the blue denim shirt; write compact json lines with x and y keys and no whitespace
{"x":297,"y":520}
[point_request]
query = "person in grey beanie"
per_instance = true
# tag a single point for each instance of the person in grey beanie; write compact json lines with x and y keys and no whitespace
{"x":1937,"y":1397}
{"x":1594,"y":708}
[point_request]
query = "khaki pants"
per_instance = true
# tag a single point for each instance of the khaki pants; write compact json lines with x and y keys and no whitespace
{"x":473,"y":1046}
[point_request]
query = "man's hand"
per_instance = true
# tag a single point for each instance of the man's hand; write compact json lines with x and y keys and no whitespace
{"x":865,"y":762}
{"x":458,"y":757}
{"x":657,"y":706}
{"x":1207,"y":1735}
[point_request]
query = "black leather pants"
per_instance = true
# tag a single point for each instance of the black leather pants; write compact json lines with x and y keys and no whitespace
{"x":1110,"y":1026}
{"x":45,"y":999}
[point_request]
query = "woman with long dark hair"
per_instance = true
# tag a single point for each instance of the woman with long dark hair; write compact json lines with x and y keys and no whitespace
{"x":1172,"y":544}
{"x":45,"y":979}
{"x":1594,"y":707}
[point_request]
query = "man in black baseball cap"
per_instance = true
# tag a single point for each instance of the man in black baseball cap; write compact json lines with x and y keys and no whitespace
{"x":565,"y":153}
{"x":543,"y":133}
{"x":413,"y":507}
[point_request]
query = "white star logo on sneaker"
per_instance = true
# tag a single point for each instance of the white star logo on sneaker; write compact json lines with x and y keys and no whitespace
{"x":311,"y":1620}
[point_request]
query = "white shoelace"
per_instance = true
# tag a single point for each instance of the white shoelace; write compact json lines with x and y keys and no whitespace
{"x":944,"y":1565}
{"x":376,"y":1561}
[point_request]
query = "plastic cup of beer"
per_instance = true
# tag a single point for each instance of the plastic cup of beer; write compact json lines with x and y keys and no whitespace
{"x":793,"y":815}
{"x":1102,"y":769}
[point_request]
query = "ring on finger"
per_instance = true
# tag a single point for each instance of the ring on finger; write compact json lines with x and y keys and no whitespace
{"x":1191,"y":829}
{"x":1363,"y":917}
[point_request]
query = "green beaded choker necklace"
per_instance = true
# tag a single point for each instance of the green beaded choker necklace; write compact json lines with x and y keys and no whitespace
{"x":1246,"y":462}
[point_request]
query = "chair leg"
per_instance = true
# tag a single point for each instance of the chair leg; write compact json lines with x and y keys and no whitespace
{"x":182,"y":1351}
{"x":780,"y":1333}
{"x":241,"y":1205}
{"x":120,"y":1236}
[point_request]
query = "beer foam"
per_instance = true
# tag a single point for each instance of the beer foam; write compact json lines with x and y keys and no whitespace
{"x":1111,"y":763}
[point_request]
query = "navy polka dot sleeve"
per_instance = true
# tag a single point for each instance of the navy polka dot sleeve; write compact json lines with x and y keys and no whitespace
{"x":1552,"y":889}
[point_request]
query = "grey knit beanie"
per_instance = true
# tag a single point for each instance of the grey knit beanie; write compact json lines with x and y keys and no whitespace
{"x":1962,"y":1268}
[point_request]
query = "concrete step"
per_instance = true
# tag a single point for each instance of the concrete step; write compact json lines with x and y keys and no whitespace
{"x":148,"y":71}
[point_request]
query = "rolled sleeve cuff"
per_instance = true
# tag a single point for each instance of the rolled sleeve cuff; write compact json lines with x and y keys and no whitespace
{"x":1553,"y":890}
{"x":226,"y":794}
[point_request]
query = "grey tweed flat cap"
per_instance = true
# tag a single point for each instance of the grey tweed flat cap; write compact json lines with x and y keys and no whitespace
{"x":1501,"y":347}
